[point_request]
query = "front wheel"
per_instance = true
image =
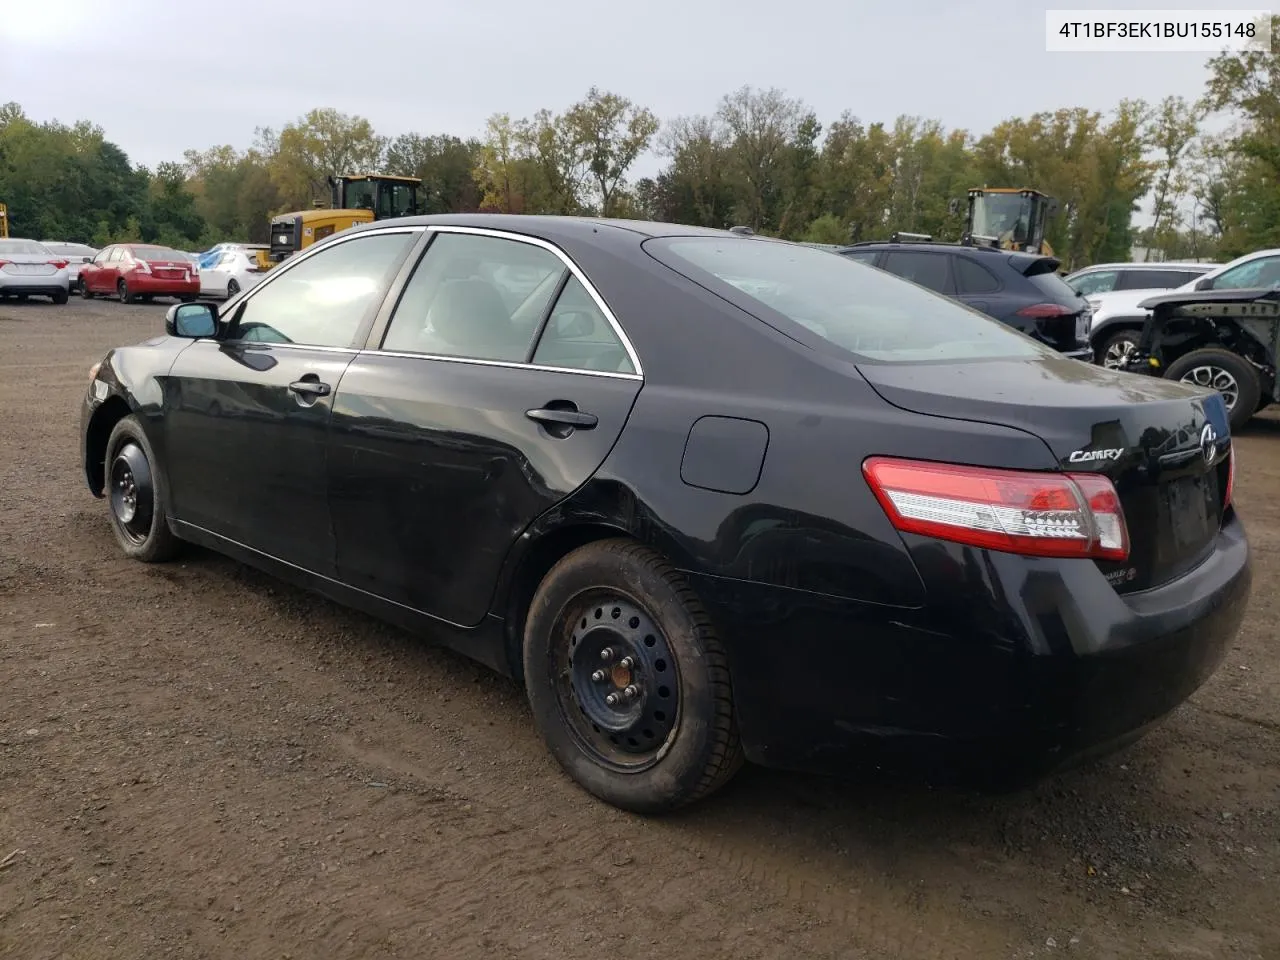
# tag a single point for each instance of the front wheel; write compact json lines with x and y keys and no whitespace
{"x":85,"y":292}
{"x":135,"y":495}
{"x":1229,"y":373}
{"x":232,"y":289}
{"x":628,"y":680}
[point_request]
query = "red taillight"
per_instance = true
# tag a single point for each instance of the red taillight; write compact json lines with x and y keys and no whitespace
{"x":1045,"y":311}
{"x":4,"y":263}
{"x":1037,"y":514}
{"x":58,"y":264}
{"x":1231,"y":477}
{"x":142,"y":266}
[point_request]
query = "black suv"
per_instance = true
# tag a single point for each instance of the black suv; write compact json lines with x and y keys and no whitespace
{"x":1020,"y":289}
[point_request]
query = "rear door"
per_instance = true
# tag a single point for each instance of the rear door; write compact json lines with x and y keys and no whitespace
{"x":246,"y":416}
{"x":492,"y":390}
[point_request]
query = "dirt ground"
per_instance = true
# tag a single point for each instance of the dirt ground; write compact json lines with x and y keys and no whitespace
{"x":198,"y":761}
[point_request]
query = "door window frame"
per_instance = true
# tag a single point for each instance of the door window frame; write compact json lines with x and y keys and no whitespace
{"x":377,"y":332}
{"x":230,"y":316}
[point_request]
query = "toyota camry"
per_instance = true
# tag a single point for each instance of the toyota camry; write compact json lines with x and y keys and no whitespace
{"x":709,"y":497}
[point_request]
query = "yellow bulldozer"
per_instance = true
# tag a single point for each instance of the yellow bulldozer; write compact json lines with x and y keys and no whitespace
{"x":354,"y":199}
{"x":1012,"y":218}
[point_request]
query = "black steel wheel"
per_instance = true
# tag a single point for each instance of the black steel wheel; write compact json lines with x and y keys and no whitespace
{"x":619,"y":691}
{"x":135,"y":495}
{"x":628,"y":679}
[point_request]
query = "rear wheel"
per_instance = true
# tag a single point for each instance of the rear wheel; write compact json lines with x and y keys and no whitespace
{"x":123,"y":292}
{"x":1229,"y":373}
{"x":60,"y":297}
{"x":628,"y":680}
{"x":135,"y":488}
{"x":1116,"y":349}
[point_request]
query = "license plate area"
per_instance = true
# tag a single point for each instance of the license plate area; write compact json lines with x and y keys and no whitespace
{"x":31,"y":269}
{"x":1189,"y":514}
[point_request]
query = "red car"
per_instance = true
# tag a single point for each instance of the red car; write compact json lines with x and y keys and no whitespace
{"x":140,"y":271}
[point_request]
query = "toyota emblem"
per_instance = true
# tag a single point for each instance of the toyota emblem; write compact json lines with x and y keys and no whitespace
{"x":1208,"y":442}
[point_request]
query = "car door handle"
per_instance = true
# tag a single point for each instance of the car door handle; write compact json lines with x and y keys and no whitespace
{"x":310,"y":388}
{"x":565,"y":418}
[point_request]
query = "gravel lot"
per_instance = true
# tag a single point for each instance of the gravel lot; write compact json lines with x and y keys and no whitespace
{"x":198,"y":761}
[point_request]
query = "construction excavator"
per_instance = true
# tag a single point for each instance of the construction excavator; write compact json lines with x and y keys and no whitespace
{"x":354,"y":199}
{"x":1011,"y":218}
{"x":4,"y":221}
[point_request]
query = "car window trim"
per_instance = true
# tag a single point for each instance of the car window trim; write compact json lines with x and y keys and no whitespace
{"x":547,"y":311}
{"x":232,"y":316}
{"x":378,"y":331}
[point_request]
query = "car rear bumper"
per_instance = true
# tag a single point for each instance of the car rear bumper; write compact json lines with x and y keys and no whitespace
{"x":164,"y":287}
{"x":45,"y":285}
{"x":1017,"y":667}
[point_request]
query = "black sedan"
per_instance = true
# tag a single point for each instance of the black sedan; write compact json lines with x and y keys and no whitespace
{"x":710,"y":496}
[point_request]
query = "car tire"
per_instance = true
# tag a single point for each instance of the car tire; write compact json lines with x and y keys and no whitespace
{"x":123,"y":292}
{"x":1113,"y":347}
{"x":135,"y":493}
{"x":85,"y":293}
{"x":613,"y":618}
{"x":1229,"y":373}
{"x":232,"y":289}
{"x":60,"y":297}
{"x":187,"y":299}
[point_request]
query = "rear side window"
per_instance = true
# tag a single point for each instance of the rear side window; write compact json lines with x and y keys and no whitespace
{"x":863,"y":310}
{"x":578,"y":335}
{"x":1150,"y":280}
{"x":927,"y":269}
{"x":973,"y":278}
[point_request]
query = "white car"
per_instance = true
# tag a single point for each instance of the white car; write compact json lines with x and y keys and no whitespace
{"x":1117,"y":318}
{"x":1109,"y":277}
{"x":76,"y":254}
{"x":225,"y":272}
{"x":30,"y":269}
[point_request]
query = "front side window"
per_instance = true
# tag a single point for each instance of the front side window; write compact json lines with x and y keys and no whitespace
{"x":1263,"y":272}
{"x":863,"y":310}
{"x":460,"y":301}
{"x":1100,"y":281}
{"x":322,"y":300}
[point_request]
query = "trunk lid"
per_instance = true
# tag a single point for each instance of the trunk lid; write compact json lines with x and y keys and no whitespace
{"x":1163,"y":445}
{"x":169,"y":269}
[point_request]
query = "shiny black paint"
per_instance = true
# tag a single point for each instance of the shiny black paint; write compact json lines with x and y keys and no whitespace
{"x":246,"y":456}
{"x":435,"y":469}
{"x":446,"y":505}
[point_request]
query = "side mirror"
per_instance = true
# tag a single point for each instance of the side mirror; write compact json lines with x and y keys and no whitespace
{"x":86,"y":259}
{"x":191,"y":320}
{"x":1204,"y":283}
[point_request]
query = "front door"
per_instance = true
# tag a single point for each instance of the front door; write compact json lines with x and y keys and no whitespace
{"x":499,"y":387}
{"x":247,"y":415}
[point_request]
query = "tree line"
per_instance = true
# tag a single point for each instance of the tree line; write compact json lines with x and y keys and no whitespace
{"x":762,"y":159}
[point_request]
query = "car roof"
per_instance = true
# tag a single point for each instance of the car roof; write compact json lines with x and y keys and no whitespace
{"x":546,"y":225}
{"x":1160,"y":265}
{"x":1017,"y":259}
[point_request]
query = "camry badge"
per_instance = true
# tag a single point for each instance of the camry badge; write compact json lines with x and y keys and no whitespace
{"x":1086,"y":456}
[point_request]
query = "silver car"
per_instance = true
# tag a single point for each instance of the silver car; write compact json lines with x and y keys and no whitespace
{"x":76,"y":255}
{"x":30,"y":269}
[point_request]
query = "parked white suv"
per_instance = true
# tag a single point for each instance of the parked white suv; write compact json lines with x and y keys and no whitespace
{"x":1110,"y":277}
{"x":1117,"y":318}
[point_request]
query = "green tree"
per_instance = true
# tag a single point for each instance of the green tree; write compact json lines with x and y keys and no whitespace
{"x":445,"y":164}
{"x":611,"y":133}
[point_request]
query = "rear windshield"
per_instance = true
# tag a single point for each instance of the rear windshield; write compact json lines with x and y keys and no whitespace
{"x":1055,"y":288}
{"x":872,"y":314}
{"x":24,"y":247}
{"x":157,"y":253}
{"x":72,"y":249}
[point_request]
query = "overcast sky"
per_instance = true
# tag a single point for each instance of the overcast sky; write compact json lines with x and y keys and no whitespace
{"x":161,"y":76}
